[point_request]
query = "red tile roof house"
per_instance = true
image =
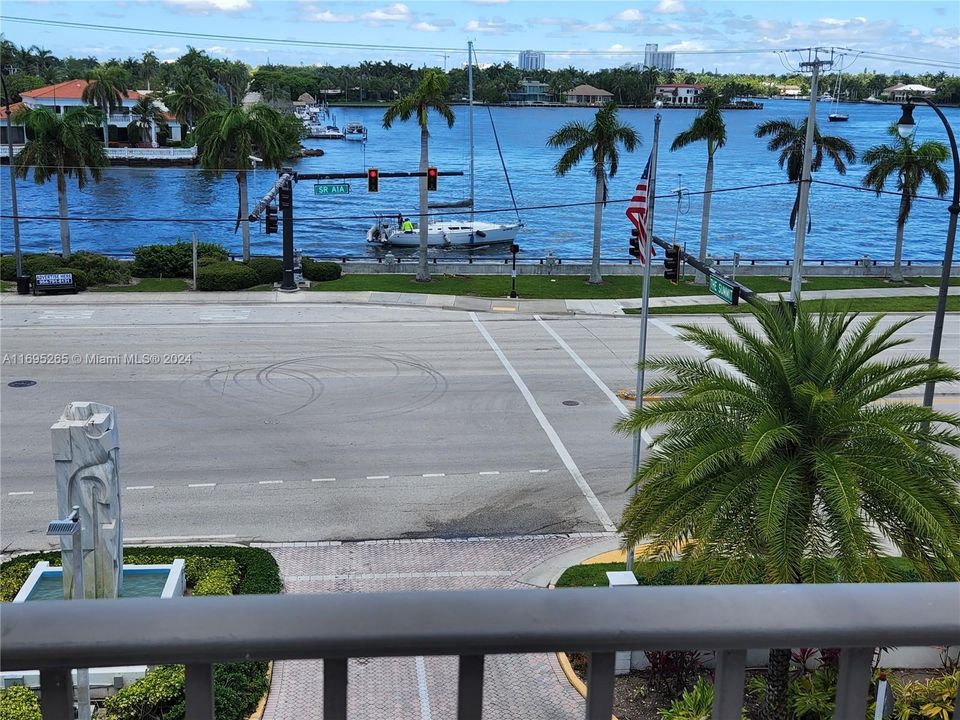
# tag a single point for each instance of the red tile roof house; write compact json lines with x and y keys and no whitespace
{"x":68,"y":94}
{"x":679,"y":93}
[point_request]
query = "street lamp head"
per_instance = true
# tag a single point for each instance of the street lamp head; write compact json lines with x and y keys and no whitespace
{"x":906,"y":125}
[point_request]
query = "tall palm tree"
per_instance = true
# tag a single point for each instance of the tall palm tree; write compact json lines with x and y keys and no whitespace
{"x":106,"y":88}
{"x":788,"y":136}
{"x":708,"y":126}
{"x":61,"y":147}
{"x":600,"y":138}
{"x":911,"y":164}
{"x":428,"y":95}
{"x":191,"y":98}
{"x":147,"y":115}
{"x":227,"y":138}
{"x":793,"y":468}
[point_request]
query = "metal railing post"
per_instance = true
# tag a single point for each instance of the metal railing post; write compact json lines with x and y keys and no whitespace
{"x":335,"y":689}
{"x":56,"y":694}
{"x":198,"y":688}
{"x":853,"y":683}
{"x":728,"y":686}
{"x":470,"y":688}
{"x":600,"y":680}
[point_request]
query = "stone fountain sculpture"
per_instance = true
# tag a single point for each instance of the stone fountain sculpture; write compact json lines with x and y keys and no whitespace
{"x":86,"y":454}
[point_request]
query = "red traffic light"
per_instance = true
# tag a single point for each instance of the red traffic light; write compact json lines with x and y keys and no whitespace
{"x":373,"y":180}
{"x":432,"y":179}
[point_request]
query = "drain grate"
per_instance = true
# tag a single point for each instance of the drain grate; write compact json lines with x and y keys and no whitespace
{"x":21,"y":383}
{"x":570,"y":403}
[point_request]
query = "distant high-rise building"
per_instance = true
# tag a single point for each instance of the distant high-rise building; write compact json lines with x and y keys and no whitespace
{"x":531,"y":60}
{"x":657,"y":59}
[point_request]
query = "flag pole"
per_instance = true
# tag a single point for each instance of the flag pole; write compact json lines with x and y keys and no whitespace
{"x":638,"y":446}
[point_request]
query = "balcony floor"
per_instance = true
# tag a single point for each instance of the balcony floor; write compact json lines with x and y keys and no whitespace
{"x":516,"y":686}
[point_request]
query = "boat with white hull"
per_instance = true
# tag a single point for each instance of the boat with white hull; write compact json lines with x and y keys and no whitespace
{"x":446,"y":234}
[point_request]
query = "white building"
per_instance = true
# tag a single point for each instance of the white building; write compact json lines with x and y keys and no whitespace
{"x":900,"y":92}
{"x":531,"y":60}
{"x":662,"y":60}
{"x":679,"y":93}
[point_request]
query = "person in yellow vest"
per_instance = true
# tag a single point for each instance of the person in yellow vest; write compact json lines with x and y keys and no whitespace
{"x":407,"y":226}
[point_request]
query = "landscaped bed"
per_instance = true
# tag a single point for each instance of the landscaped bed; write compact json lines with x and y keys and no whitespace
{"x":678,"y":685}
{"x":238,"y":687}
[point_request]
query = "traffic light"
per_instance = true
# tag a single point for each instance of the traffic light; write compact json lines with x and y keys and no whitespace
{"x":671,"y":264}
{"x":634,"y":243}
{"x":514,"y":248}
{"x":431,"y":179}
{"x":271,"y":220}
{"x":373,"y":180}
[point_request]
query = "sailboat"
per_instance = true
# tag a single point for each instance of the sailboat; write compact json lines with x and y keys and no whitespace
{"x":443,"y":233}
{"x":836,"y":116}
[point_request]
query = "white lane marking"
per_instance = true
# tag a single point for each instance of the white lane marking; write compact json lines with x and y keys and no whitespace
{"x":434,"y":475}
{"x":538,"y":470}
{"x":324,"y":480}
{"x":592,"y":375}
{"x":271,"y":482}
{"x":548,"y":429}
{"x":422,"y":689}
{"x":378,"y":477}
{"x":139,"y":487}
{"x":489,"y":472}
{"x":227,"y":314}
{"x":66,"y":315}
{"x":177,"y":538}
{"x":21,"y":492}
{"x":202,"y":485}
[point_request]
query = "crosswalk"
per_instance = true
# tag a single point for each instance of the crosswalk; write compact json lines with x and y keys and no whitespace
{"x":66,"y":314}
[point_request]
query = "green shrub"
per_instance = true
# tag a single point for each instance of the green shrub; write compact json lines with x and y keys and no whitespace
{"x":19,"y":703}
{"x":79,"y":276}
{"x":196,"y":566}
{"x":320,"y":271}
{"x":159,"y":689}
{"x":269,"y":270}
{"x":12,"y":579}
{"x":694,"y":704}
{"x":934,"y":698}
{"x":176,"y":260}
{"x":226,"y":276}
{"x":31,"y":264}
{"x":100,"y":269}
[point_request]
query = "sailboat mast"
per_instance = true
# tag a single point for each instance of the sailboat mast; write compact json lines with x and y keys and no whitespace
{"x":470,"y":116}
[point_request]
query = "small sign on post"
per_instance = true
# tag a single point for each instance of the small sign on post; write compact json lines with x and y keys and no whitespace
{"x":725,"y":290}
{"x":331,"y":189}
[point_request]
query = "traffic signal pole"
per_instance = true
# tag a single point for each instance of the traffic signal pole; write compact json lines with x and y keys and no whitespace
{"x":644,"y":315}
{"x":288,"y":284}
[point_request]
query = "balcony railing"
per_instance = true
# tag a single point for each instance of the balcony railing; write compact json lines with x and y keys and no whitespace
{"x":52,"y":637}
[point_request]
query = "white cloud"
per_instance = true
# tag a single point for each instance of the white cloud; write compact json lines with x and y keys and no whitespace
{"x":205,"y":6}
{"x":667,"y":7}
{"x":494,"y":26}
{"x":630,"y":15}
{"x":325,"y":16}
{"x":397,"y":12}
{"x":425,"y":27}
{"x":686,"y":45}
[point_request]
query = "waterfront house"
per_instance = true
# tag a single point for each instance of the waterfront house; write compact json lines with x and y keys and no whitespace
{"x":901,"y":91}
{"x":679,"y":93}
{"x":17,"y":131}
{"x":587,"y":95}
{"x":790,"y":91}
{"x":532,"y":92}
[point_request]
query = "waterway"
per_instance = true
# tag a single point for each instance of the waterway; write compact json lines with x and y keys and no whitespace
{"x":754,"y":222}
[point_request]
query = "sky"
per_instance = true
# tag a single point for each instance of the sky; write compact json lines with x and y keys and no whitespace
{"x":912,"y":35}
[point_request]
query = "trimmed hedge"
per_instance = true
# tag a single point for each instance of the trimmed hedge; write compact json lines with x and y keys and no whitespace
{"x":176,"y":260}
{"x":238,"y":687}
{"x":31,"y":264}
{"x":226,"y":276}
{"x":19,"y":703}
{"x":268,"y":270}
{"x":100,"y":269}
{"x":668,"y":573}
{"x":79,"y":276}
{"x":320,"y":271}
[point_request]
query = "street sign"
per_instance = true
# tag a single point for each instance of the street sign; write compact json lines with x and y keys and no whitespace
{"x":725,"y":290}
{"x":331,"y":189}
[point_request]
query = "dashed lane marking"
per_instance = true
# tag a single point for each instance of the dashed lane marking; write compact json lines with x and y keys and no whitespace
{"x":202,"y":485}
{"x":429,"y":475}
{"x":324,"y":480}
{"x":538,"y":470}
{"x":21,"y":492}
{"x":225,"y":315}
{"x":489,"y":472}
{"x":271,"y":482}
{"x":139,"y":487}
{"x":378,"y":477}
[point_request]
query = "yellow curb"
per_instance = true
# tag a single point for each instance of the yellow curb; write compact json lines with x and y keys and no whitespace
{"x":572,"y":678}
{"x":262,"y":705}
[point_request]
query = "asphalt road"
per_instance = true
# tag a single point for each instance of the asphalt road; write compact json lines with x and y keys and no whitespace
{"x":332,"y":422}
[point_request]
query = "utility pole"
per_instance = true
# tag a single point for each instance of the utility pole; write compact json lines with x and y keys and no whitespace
{"x":470,"y":117}
{"x":805,"y":176}
{"x":13,"y":183}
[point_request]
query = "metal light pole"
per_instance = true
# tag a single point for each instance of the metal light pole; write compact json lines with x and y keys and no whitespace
{"x":906,"y":127}
{"x":13,"y":183}
{"x":805,"y":178}
{"x":644,"y":312}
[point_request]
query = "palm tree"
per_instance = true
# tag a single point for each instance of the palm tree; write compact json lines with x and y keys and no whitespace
{"x":147,"y":115}
{"x":788,"y":136}
{"x":601,"y":139}
{"x":793,"y":468}
{"x":192,"y":97}
{"x":60,"y":146}
{"x":227,"y":138}
{"x":428,"y":95}
{"x":708,"y":126}
{"x":911,"y":164}
{"x":106,"y":88}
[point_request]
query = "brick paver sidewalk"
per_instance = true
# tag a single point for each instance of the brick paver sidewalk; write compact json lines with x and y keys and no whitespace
{"x":515,"y":686}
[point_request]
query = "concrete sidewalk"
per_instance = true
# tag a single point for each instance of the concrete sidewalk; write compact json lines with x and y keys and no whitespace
{"x":448,"y":302}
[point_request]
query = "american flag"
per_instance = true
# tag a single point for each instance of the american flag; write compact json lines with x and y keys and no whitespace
{"x":637,"y":213}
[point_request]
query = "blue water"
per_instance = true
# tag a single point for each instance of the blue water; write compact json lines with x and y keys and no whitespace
{"x":136,"y":584}
{"x":846,"y":223}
